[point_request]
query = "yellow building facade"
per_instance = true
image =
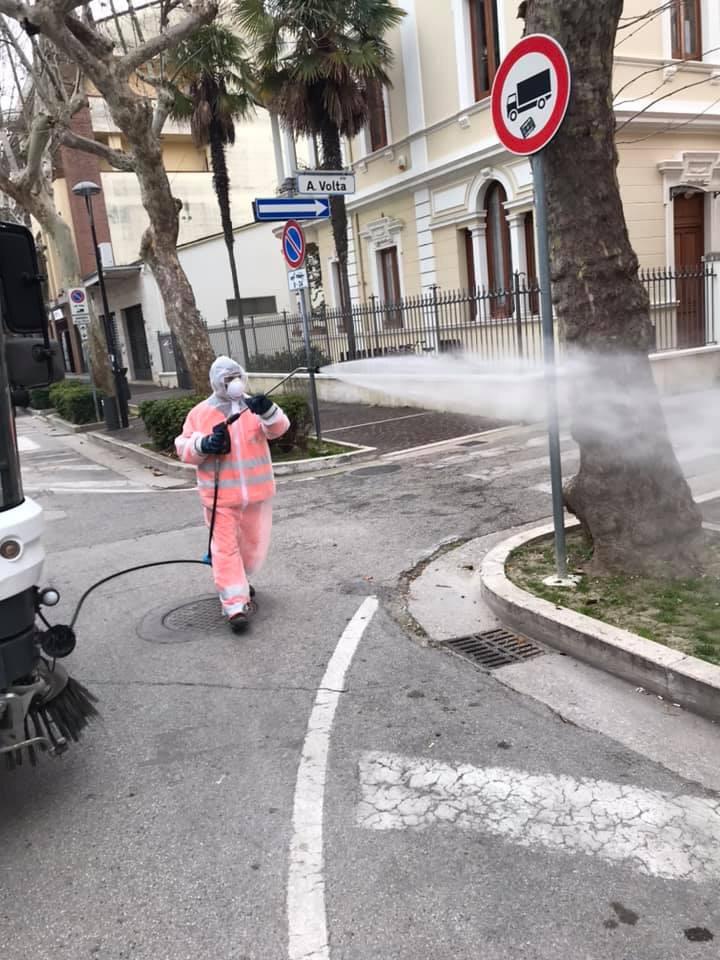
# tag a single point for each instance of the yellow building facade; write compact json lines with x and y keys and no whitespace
{"x":440,"y":202}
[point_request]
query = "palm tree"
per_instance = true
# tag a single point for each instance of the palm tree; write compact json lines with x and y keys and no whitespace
{"x":212,"y":85}
{"x":315,"y":62}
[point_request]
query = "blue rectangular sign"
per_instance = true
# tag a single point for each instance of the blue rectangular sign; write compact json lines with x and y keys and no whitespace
{"x":291,"y":208}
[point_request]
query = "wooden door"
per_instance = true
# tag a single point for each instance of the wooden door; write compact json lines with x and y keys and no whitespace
{"x":135,"y":323}
{"x":690,"y":285}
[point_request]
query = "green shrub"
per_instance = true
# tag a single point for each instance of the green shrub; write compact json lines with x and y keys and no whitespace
{"x":298,"y":411}
{"x":40,"y":398}
{"x":164,"y":419}
{"x":57,"y":390}
{"x":75,"y":403}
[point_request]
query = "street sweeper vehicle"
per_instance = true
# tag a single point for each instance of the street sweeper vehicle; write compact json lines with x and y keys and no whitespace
{"x":42,"y":708}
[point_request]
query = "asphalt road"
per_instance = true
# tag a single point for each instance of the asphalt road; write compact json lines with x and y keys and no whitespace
{"x":170,"y":832}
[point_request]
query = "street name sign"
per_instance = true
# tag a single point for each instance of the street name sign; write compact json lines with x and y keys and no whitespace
{"x":325,"y":182}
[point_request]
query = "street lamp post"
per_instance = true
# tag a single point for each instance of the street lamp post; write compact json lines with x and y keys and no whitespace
{"x":87,"y":189}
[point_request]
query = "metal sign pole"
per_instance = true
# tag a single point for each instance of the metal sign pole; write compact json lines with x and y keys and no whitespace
{"x":305,"y":314}
{"x":538,"y":168}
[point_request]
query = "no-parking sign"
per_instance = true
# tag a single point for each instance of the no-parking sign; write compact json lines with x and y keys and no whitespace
{"x":293,"y":244}
{"x":77,"y":297}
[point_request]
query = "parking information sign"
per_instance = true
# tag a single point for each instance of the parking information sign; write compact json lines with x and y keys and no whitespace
{"x":530,"y":94}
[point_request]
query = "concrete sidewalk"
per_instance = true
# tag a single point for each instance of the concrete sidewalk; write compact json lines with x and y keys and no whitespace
{"x":446,"y":602}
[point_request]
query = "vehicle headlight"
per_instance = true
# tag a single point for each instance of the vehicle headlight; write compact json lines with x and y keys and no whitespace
{"x":10,"y":549}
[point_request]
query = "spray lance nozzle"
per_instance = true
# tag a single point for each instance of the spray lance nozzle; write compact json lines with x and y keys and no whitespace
{"x":314,"y":370}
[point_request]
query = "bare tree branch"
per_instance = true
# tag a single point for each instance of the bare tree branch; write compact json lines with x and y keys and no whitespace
{"x":670,"y":127}
{"x":118,"y":27}
{"x":647,"y":19}
{"x":665,"y":96}
{"x":9,"y":151}
{"x":162,"y":109}
{"x":116,"y":158}
{"x":139,"y":36}
{"x":626,"y":22}
{"x":14,"y":9}
{"x":14,"y":46}
{"x":663,"y":66}
{"x":201,"y":13}
{"x":37,"y":144}
{"x":49,"y":70}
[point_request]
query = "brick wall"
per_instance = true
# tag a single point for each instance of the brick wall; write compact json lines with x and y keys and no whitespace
{"x":75,"y":166}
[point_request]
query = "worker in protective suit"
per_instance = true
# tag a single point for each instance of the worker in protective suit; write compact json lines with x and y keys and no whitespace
{"x":234,"y":469}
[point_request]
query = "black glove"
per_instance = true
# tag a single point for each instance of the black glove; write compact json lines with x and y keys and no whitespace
{"x":217,"y":442}
{"x":259,"y":404}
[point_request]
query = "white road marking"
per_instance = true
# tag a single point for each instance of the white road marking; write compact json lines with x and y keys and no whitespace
{"x":25,"y":444}
{"x":77,"y":465}
{"x":307,"y":921}
{"x":82,"y":487}
{"x":661,"y":835}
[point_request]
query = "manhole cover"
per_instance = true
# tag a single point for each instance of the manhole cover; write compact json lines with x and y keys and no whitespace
{"x":201,"y":614}
{"x":494,"y":648}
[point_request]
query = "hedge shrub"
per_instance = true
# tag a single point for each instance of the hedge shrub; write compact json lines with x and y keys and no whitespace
{"x":164,"y":420}
{"x":40,"y":398}
{"x":298,"y":411}
{"x":73,"y":401}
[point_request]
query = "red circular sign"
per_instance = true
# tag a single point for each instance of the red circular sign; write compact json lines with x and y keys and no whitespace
{"x":293,"y":244}
{"x":530,"y":94}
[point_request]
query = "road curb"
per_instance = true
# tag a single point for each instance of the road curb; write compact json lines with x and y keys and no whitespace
{"x":678,"y":677}
{"x":58,"y":421}
{"x":187,"y":471}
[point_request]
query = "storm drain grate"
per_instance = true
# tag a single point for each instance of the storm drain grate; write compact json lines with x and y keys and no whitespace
{"x":201,"y":614}
{"x":494,"y":648}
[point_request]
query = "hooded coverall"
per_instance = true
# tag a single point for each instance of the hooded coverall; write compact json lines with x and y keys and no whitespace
{"x":246,"y":484}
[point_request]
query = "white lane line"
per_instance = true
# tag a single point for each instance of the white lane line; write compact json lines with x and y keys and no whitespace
{"x":25,"y":444}
{"x":79,"y":466}
{"x":664,"y":835}
{"x":307,"y":921}
{"x":375,"y":423}
{"x":81,"y":488}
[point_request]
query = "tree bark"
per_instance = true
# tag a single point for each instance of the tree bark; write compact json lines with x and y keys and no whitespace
{"x":82,"y":44}
{"x":159,"y":250}
{"x":221,"y":183}
{"x":629,"y":493}
{"x":332,"y":160}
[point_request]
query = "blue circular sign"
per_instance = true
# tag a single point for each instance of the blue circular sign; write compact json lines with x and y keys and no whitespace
{"x":293,"y":242}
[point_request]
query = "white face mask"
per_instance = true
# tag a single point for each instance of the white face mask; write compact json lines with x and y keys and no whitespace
{"x":236,"y":389}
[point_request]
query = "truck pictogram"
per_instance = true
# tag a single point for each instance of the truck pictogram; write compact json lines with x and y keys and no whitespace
{"x":533,"y":92}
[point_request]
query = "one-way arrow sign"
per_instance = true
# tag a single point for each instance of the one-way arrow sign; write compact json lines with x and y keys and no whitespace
{"x":292,"y":208}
